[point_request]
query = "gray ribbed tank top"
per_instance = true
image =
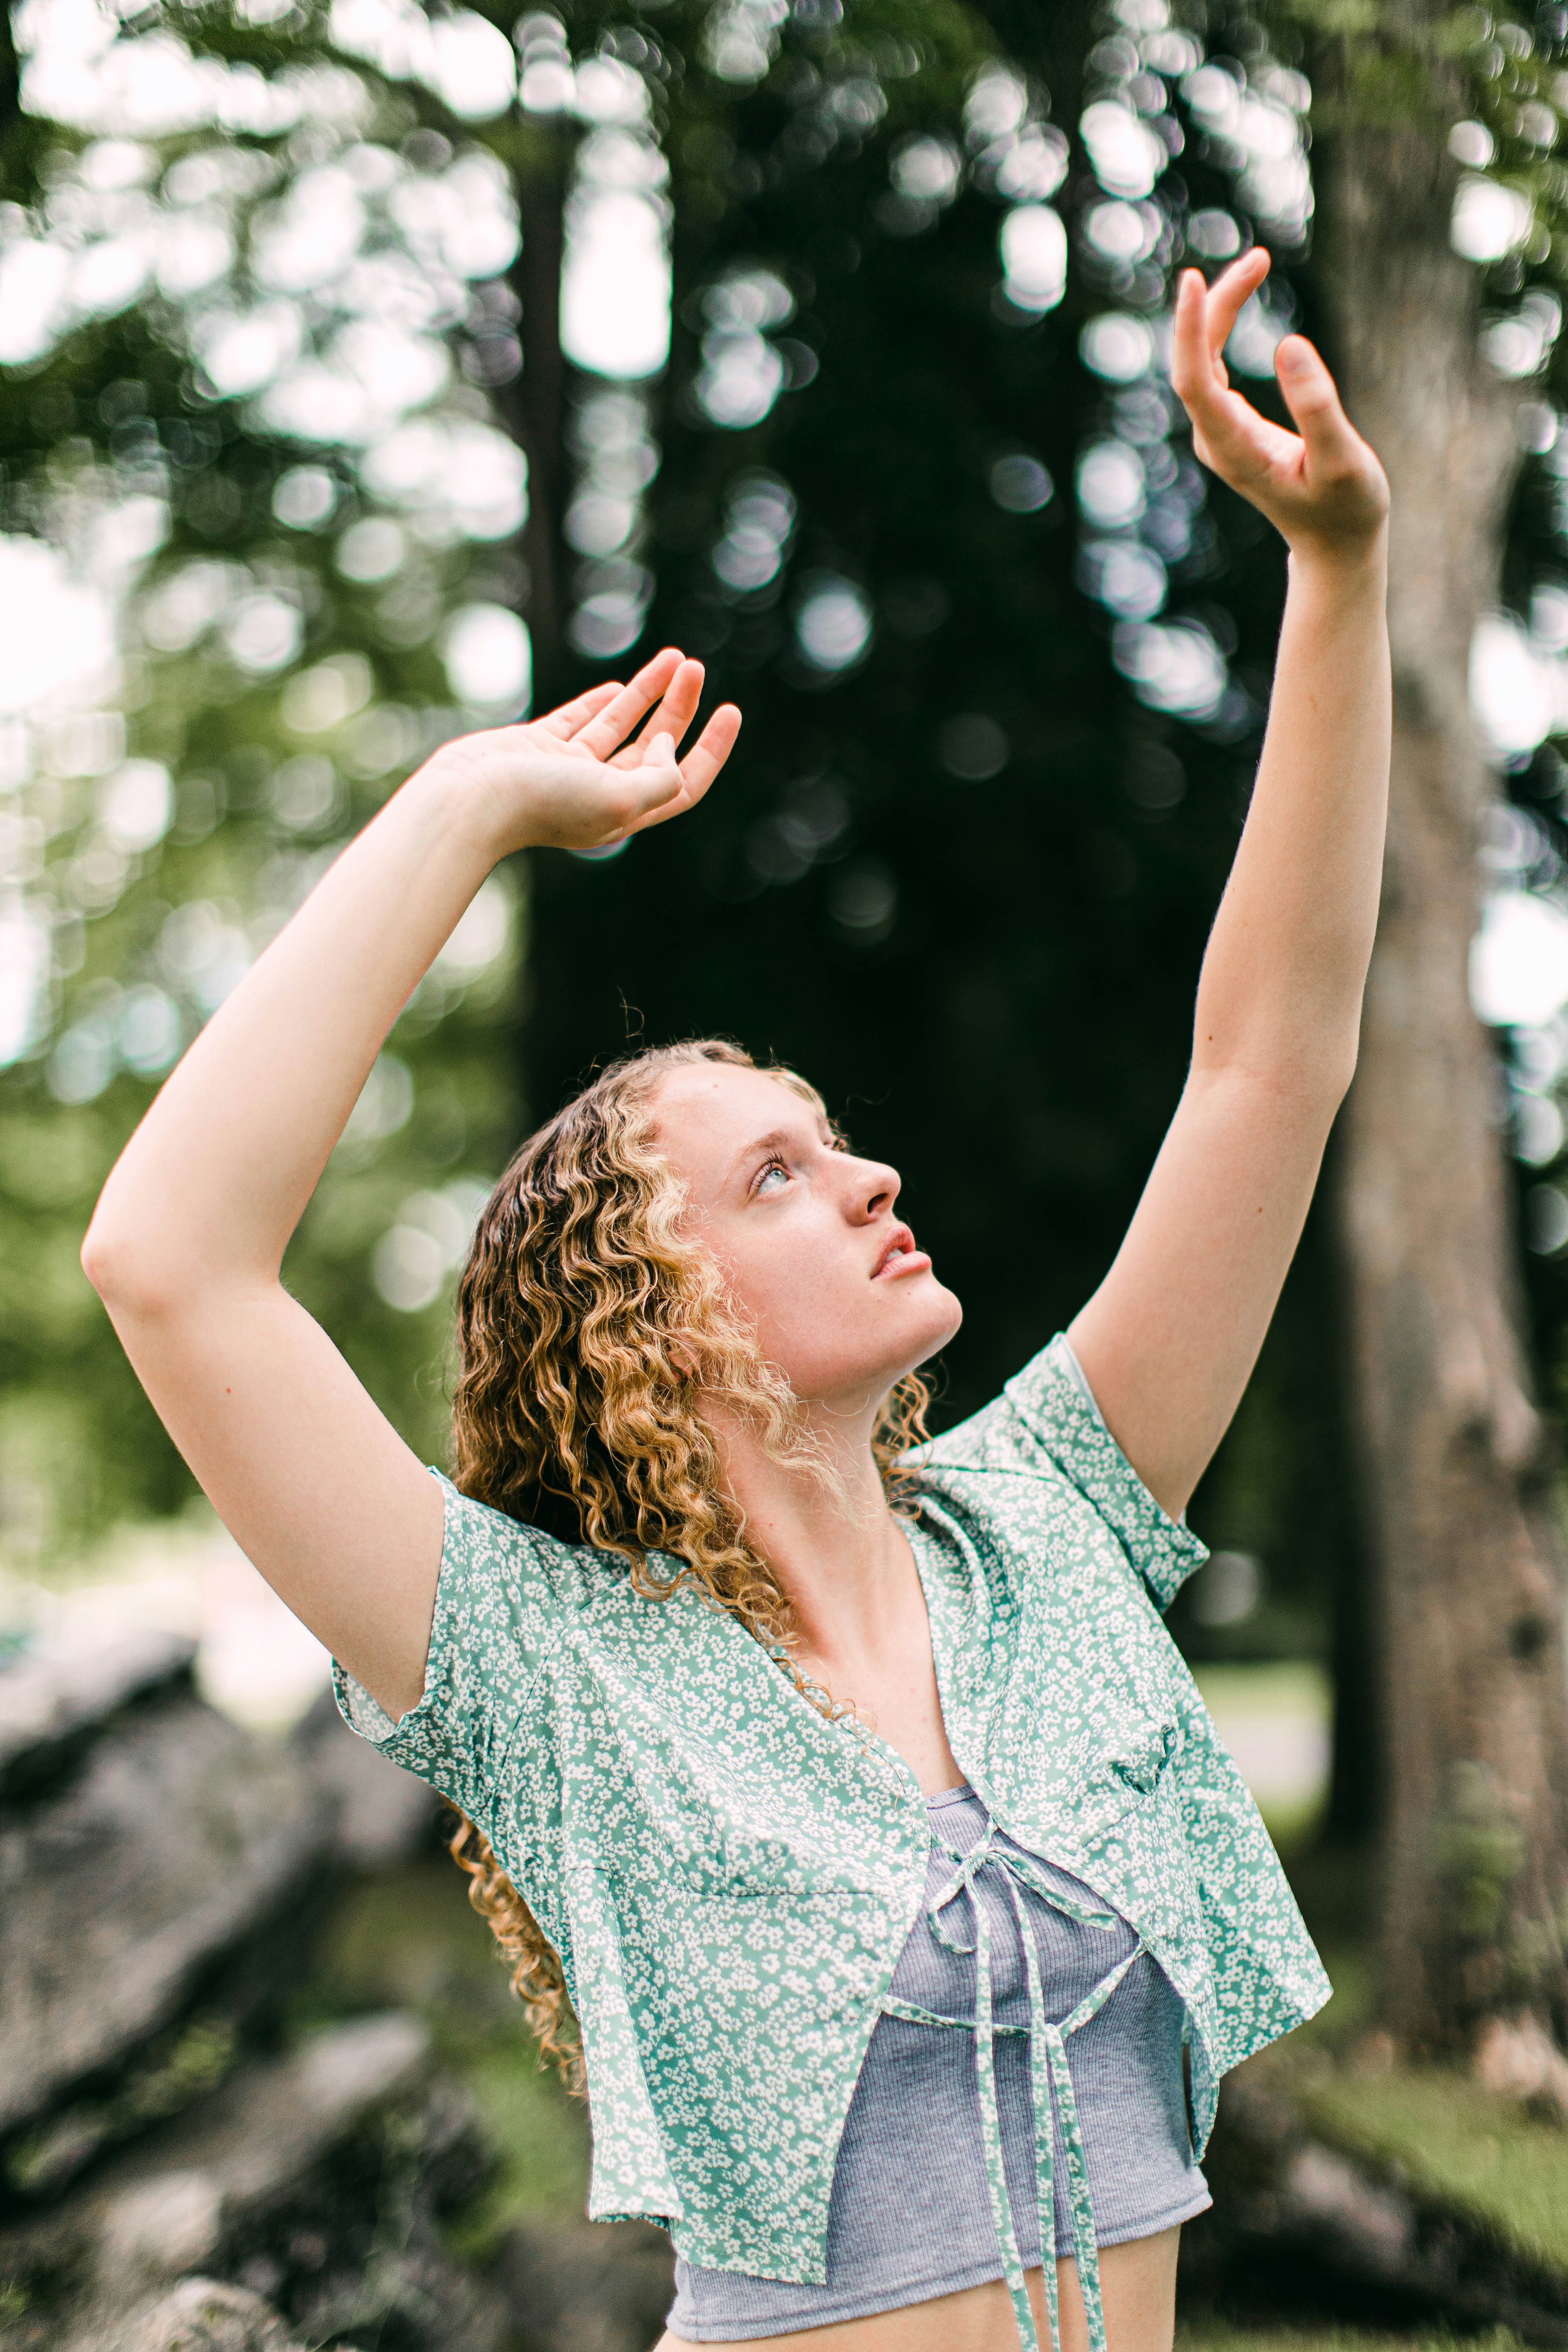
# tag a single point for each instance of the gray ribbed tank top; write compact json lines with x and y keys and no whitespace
{"x":911,"y":2215}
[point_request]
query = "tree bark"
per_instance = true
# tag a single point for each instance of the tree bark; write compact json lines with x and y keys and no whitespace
{"x":1463,"y":1530}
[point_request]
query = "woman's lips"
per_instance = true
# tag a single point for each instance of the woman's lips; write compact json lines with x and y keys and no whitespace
{"x":902,"y":1260}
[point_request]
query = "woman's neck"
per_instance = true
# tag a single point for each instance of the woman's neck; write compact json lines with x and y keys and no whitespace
{"x":849,"y":1573}
{"x":826,"y":1533}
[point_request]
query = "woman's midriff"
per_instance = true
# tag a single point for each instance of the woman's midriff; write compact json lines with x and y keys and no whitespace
{"x":1137,"y":2279}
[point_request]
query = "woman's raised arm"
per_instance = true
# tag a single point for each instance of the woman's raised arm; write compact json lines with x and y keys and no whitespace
{"x":1169,"y":1340}
{"x":188,"y":1237}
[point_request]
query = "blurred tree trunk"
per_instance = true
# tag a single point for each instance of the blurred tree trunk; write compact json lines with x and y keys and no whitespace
{"x":10,"y":90}
{"x":1458,"y":1472}
{"x":533,"y":406}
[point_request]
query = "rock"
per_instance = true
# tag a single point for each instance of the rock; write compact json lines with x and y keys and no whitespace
{"x":383,"y":1814}
{"x":244,"y":2153}
{"x":315,"y":2180}
{"x":169,"y":2181}
{"x":54,"y":1700}
{"x":201,"y":2314}
{"x":1375,"y":2225}
{"x":179,"y":1858}
{"x":216,"y":2173}
{"x":357,"y":2251}
{"x":163,"y":2227}
{"x":1517,"y":2058}
{"x":587,"y":2286}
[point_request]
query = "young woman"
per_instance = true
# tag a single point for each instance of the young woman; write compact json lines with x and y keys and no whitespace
{"x":850,"y":1786}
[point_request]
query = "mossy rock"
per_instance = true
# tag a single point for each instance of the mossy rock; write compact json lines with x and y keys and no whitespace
{"x":1439,"y":2135}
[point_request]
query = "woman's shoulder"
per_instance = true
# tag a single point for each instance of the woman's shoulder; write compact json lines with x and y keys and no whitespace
{"x":1046,"y":1428}
{"x":1040,"y":1412}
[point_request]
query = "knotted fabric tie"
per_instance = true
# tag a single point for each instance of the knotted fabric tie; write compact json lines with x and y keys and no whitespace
{"x":1050,"y":2082}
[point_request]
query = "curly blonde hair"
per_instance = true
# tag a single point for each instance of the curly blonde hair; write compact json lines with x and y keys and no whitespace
{"x":589,"y":1325}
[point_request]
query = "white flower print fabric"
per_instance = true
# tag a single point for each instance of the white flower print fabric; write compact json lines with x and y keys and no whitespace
{"x":730,"y":1879}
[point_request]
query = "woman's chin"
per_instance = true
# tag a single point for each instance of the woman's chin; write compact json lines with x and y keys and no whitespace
{"x":936,"y":1312}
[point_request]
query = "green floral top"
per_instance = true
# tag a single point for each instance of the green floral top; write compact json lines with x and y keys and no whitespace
{"x":730,"y":1878}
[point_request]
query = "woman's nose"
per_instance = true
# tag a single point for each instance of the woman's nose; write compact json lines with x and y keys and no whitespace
{"x":878,"y":1190}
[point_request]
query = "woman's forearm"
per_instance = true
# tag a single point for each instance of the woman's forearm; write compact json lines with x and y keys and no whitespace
{"x":1169,"y":1340}
{"x":217,"y":1175}
{"x":1281,"y":986}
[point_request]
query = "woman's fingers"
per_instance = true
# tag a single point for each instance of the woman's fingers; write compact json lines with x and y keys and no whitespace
{"x":1192,"y":366}
{"x":1206,"y":316}
{"x":675,"y":713}
{"x":1247,"y":448}
{"x":1228,"y":433}
{"x":1224,"y":300}
{"x":697,"y":770}
{"x":700,"y":765}
{"x":646,"y":788}
{"x":1201,"y":327}
{"x":1308,"y":392}
{"x":610,"y":726}
{"x":1321,"y":478}
{"x":573,"y":717}
{"x":713,"y":748}
{"x":616,"y":793}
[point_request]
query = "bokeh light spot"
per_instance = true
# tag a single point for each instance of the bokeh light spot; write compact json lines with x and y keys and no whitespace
{"x":833,"y":624}
{"x":863,"y":902}
{"x":263,"y":633}
{"x":1111,"y":484}
{"x":1489,"y":220}
{"x":372,"y":549}
{"x":974,"y":747}
{"x":304,"y":498}
{"x":1034,"y":242}
{"x":489,"y":657}
{"x":1117,"y":346}
{"x":134,"y":805}
{"x":1020,"y":484}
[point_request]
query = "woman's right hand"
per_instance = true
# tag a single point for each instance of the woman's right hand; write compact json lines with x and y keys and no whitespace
{"x":572,"y":780}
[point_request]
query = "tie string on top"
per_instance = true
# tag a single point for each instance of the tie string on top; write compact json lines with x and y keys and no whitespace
{"x":1050,"y":2080}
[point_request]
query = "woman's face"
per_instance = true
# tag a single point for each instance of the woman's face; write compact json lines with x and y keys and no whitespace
{"x":806,"y":1234}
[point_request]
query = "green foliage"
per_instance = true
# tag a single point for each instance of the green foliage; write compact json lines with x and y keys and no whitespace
{"x":1014,"y":1034}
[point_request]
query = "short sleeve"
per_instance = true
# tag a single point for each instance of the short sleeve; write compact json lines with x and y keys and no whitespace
{"x":498,"y":1605}
{"x":1053,"y":1401}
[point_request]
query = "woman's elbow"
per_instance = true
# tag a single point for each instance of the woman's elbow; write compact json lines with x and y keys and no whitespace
{"x":122,"y":1270}
{"x":1340,"y":1069}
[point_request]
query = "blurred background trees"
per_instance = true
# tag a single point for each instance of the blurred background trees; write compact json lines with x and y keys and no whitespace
{"x":264,"y":293}
{"x":363,"y":372}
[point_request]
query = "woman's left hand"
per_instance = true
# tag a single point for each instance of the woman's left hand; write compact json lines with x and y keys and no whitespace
{"x":1322,"y":486}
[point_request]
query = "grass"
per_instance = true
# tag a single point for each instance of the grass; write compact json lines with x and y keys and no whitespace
{"x":1241,"y":1697}
{"x":1439,"y":2132}
{"x":1265,"y":1687}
